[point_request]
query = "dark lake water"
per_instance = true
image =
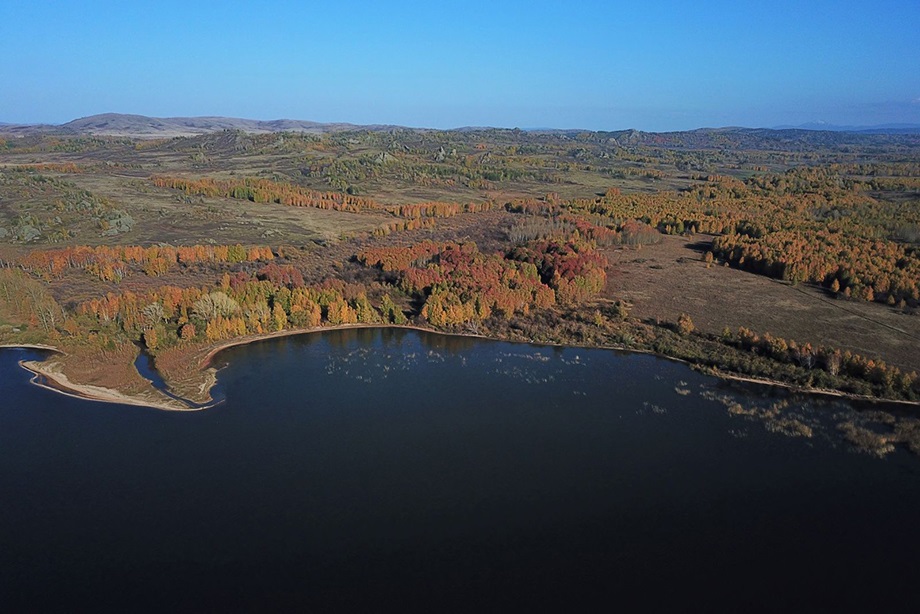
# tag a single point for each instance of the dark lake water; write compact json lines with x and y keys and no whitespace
{"x":385,"y":469}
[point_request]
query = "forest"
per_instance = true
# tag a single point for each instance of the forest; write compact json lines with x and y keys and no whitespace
{"x":738,"y":253}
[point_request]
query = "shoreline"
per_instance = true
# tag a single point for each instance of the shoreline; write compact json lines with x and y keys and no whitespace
{"x":30,"y":346}
{"x":747,"y":379}
{"x":209,"y":357}
{"x":718,"y":374}
{"x":56,"y":381}
{"x":63,"y":385}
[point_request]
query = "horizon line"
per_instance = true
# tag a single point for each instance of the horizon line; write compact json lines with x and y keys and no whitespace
{"x":811,"y":126}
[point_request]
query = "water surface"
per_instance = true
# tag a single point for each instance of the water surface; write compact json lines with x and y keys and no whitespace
{"x":373,"y":468}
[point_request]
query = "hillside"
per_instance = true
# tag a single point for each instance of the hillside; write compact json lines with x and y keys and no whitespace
{"x":736,"y":138}
{"x":141,"y":126}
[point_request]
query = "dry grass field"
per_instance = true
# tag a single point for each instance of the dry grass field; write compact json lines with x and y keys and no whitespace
{"x":662,"y":281}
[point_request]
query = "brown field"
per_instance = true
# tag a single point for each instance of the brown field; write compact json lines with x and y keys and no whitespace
{"x":662,"y":281}
{"x":164,"y":217}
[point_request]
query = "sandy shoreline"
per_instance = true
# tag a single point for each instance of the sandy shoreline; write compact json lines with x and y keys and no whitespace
{"x":59,"y":382}
{"x":55,"y":380}
{"x":31,"y":346}
{"x":805,"y":390}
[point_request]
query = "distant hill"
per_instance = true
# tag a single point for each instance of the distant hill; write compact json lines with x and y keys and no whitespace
{"x":879,"y":129}
{"x":760,"y":139}
{"x":141,"y":126}
{"x":778,"y":139}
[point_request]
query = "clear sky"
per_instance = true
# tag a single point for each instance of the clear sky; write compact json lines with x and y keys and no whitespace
{"x":652,"y":65}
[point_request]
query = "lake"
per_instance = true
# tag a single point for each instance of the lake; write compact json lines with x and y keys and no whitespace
{"x":385,"y":468}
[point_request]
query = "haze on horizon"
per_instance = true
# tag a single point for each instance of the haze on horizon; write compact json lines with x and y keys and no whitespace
{"x":666,"y":65}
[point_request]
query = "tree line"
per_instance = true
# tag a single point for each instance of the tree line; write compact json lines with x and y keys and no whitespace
{"x":113,"y":263}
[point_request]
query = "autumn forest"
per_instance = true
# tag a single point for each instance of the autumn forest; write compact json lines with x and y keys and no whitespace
{"x":773,"y":255}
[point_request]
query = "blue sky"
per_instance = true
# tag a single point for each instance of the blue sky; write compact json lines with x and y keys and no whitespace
{"x":664,"y":65}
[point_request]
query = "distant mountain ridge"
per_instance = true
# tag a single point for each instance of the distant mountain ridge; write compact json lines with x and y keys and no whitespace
{"x":141,"y":126}
{"x":878,"y":129}
{"x":785,"y":138}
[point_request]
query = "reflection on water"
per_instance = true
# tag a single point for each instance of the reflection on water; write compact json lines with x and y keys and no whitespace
{"x":354,"y":468}
{"x":876,"y":429}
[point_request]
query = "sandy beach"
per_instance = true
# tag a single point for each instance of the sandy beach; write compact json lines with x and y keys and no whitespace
{"x":47,"y":374}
